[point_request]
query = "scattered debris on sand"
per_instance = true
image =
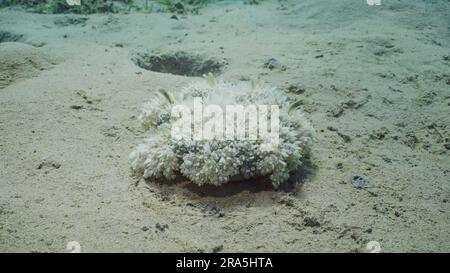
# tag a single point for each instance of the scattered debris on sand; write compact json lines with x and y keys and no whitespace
{"x":360,"y":182}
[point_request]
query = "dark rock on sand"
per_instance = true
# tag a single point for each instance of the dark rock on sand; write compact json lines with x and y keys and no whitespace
{"x":360,"y":182}
{"x":273,"y":63}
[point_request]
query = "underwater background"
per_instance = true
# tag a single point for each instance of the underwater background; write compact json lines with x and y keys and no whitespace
{"x":373,"y":80}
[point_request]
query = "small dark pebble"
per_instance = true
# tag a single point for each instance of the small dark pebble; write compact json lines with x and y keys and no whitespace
{"x":379,"y":134}
{"x":345,"y":138}
{"x":160,"y":227}
{"x":273,"y":63}
{"x":373,"y":194}
{"x":50,"y":164}
{"x":288,"y":201}
{"x":144,"y":228}
{"x":387,"y":159}
{"x":311,"y":222}
{"x":217,"y":249}
{"x":217,"y":212}
{"x":296,"y":89}
{"x":331,"y":128}
{"x":379,"y":51}
{"x":336,"y":111}
{"x":354,"y":236}
{"x":76,"y":107}
{"x":360,"y":182}
{"x":11,"y":230}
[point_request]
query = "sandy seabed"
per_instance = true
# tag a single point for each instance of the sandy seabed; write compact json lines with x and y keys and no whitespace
{"x":377,"y":83}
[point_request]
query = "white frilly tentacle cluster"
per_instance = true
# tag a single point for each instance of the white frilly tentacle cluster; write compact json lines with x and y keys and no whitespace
{"x":220,"y":161}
